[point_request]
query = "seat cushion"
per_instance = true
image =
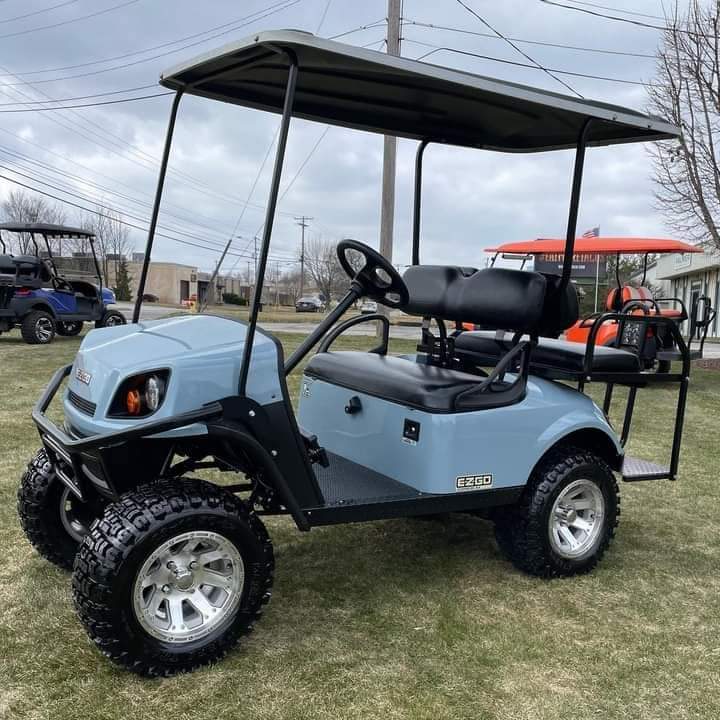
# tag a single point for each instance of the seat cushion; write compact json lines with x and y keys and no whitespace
{"x":403,"y":381}
{"x":485,"y":347}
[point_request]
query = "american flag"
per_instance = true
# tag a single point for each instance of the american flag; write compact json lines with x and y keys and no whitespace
{"x":593,"y":232}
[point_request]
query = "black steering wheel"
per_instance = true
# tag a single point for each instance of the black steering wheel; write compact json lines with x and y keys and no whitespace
{"x":377,"y":277}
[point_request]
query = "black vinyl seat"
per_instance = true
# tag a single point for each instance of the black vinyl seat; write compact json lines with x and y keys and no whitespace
{"x":483,"y":347}
{"x":425,"y":387}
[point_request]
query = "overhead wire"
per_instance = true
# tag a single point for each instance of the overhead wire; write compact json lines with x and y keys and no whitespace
{"x":229,"y":27}
{"x":70,"y":21}
{"x":525,"y":41}
{"x":37,"y":12}
{"x":518,"y":49}
{"x":87,"y":105}
{"x":446,"y":48}
{"x":630,"y":21}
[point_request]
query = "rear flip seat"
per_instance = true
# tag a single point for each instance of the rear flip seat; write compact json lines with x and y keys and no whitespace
{"x":486,"y":348}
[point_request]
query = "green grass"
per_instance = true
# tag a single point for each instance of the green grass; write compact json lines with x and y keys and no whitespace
{"x":404,"y":618}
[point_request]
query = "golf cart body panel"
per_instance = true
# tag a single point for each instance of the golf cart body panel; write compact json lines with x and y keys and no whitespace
{"x":428,"y":451}
{"x":201,"y":355}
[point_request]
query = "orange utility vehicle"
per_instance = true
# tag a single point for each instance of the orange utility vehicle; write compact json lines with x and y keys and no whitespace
{"x":655,"y":345}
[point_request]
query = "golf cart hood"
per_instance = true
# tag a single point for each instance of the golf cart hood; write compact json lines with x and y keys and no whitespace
{"x":202,"y":355}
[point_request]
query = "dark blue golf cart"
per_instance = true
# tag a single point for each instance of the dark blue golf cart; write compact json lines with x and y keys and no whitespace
{"x":37,"y":298}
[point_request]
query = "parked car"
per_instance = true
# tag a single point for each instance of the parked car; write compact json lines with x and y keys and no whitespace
{"x":368,"y":307}
{"x":149,"y":297}
{"x":309,"y":304}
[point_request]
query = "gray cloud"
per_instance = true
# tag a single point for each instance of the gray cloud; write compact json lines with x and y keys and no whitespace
{"x":472,"y":199}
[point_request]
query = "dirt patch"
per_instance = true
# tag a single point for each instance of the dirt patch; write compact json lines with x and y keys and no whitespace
{"x":708,"y":363}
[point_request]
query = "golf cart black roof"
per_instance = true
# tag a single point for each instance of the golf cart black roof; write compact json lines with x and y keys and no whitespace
{"x":46,"y":229}
{"x":367,"y":90}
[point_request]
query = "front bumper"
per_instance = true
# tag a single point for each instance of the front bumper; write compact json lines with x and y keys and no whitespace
{"x":81,"y":463}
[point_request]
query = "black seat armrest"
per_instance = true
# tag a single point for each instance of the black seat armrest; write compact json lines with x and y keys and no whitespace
{"x":335,"y":333}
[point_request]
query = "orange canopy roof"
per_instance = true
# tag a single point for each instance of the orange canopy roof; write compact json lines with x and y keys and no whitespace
{"x":597,"y":246}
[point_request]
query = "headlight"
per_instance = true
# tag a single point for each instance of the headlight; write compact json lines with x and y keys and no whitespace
{"x":140,"y":395}
{"x":154,"y":391}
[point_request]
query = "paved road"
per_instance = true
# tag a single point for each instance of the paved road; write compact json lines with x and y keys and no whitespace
{"x":154,"y":312}
{"x":150,"y":311}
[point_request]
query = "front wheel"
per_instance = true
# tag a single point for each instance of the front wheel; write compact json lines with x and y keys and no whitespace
{"x":566,"y":517}
{"x":190,"y":570}
{"x":52,"y":518}
{"x":111,"y":318}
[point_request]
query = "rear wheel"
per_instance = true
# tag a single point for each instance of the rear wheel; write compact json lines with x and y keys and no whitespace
{"x":111,"y":318}
{"x":566,"y":517}
{"x":38,"y":328}
{"x":68,"y":329}
{"x":171,"y":576}
{"x":53,"y":519}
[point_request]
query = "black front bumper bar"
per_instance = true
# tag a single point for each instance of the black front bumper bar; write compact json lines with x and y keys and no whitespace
{"x":78,"y":459}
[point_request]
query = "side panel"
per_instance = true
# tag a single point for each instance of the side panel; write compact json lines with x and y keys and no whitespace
{"x":453,"y":452}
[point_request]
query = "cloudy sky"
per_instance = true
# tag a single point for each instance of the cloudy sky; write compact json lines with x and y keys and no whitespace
{"x":473,"y":199}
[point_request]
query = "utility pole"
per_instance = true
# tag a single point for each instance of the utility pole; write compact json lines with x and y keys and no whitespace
{"x":387,"y":206}
{"x":302,"y":222}
{"x":204,"y":300}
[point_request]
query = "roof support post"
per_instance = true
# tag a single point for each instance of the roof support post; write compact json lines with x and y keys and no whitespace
{"x":417,"y":201}
{"x":269,"y":218}
{"x":574,"y":203}
{"x":156,"y":205}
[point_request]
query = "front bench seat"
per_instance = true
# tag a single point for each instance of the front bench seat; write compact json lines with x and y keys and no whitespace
{"x":483,"y":347}
{"x":403,"y":381}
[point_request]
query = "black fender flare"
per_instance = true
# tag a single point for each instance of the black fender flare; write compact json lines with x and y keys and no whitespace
{"x":262,"y":458}
{"x":23,"y":306}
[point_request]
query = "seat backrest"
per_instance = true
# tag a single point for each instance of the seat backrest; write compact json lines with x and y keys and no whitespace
{"x":616,"y":300}
{"x":561,"y":309}
{"x":7,"y":266}
{"x":495,"y":297}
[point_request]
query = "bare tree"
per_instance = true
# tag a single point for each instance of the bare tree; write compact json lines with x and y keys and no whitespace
{"x":687,"y":92}
{"x":112,"y":239}
{"x":323,"y":267}
{"x":22,"y":207}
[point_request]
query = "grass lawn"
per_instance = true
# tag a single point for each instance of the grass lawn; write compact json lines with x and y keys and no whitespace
{"x":406,"y":618}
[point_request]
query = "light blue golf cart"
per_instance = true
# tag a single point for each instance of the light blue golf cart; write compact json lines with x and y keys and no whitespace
{"x":169,"y":571}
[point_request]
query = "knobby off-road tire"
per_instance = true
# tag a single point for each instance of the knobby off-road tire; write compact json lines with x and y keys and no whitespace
{"x":38,"y":328}
{"x":41,"y":504}
{"x":566,"y":478}
{"x":128,"y":547}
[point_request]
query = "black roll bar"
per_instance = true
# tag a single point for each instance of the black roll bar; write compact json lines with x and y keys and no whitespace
{"x":417,"y":201}
{"x":156,"y":205}
{"x":269,"y":216}
{"x":95,"y":261}
{"x":2,"y":242}
{"x":574,"y":204}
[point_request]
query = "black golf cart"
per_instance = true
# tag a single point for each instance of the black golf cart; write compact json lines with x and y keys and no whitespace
{"x":169,"y":570}
{"x":41,"y":300}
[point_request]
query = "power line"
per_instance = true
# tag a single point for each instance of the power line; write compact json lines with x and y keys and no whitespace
{"x":37,"y":12}
{"x":112,"y":8}
{"x":438,"y":48}
{"x":630,"y":21}
{"x":369,"y":26}
{"x":323,"y":16}
{"x":613,"y":9}
{"x":87,"y":105}
{"x":270,"y":9}
{"x":286,"y":4}
{"x":524,"y":41}
{"x":518,"y":49}
{"x":82,"y":97}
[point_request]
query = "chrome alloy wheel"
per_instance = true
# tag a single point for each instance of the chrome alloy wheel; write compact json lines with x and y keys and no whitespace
{"x":188,"y":586}
{"x":576,"y":519}
{"x":44,"y":329}
{"x":113,"y":321}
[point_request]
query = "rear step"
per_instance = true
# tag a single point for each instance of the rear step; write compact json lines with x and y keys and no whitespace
{"x":635,"y":470}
